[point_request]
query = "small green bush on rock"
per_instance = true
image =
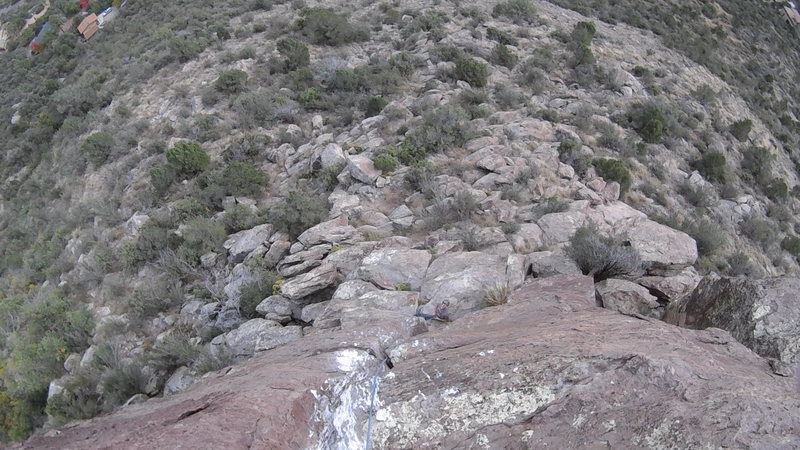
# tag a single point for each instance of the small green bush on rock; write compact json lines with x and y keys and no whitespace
{"x":97,"y":147}
{"x":614,"y":170}
{"x":518,"y":11}
{"x":325,"y":27}
{"x":298,"y":211}
{"x":385,"y":162}
{"x":741,"y":129}
{"x":243,"y":179}
{"x":187,"y":158}
{"x":472,"y":71}
{"x":295,"y":54}
{"x":231,"y":81}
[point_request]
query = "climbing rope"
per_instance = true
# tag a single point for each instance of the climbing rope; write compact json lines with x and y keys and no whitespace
{"x":372,"y":401}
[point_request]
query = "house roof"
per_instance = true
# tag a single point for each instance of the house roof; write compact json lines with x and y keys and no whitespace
{"x":90,"y":30}
{"x":793,"y":15}
{"x":90,"y":19}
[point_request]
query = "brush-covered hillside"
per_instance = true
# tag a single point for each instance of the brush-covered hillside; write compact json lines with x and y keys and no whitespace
{"x":198,"y":182}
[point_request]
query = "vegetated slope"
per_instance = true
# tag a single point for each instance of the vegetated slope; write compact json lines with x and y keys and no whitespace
{"x":127,"y":151}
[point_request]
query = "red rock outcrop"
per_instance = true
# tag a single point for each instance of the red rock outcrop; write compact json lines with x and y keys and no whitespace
{"x":547,"y":369}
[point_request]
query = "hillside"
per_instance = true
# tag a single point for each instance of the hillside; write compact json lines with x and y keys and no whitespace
{"x":200,"y":182}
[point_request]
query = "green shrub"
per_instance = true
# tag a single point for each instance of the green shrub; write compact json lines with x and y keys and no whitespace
{"x":239,"y":218}
{"x":385,"y":162}
{"x":472,"y":71}
{"x":295,"y":53}
{"x":205,"y":128}
{"x":762,"y":231}
{"x":151,"y":240}
{"x":186,"y":209}
{"x":231,"y":81}
{"x":405,"y":63}
{"x":503,"y":56}
{"x":739,"y":264}
{"x":375,"y":105}
{"x":325,"y":27}
{"x":409,"y":154}
{"x":713,"y":167}
{"x":792,"y":245}
{"x":329,"y":176}
{"x":583,"y":33}
{"x":97,"y":147}
{"x":247,"y":147}
{"x":695,"y":195}
{"x":501,"y":36}
{"x":741,"y":129}
{"x":757,"y":165}
{"x":310,"y":98}
{"x":161,"y":178}
{"x":531,"y":76}
{"x":582,"y":57}
{"x":440,"y":129}
{"x":299,"y":80}
{"x":122,"y":382}
{"x":614,"y":170}
{"x":709,"y":235}
{"x":243,"y":179}
{"x":254,"y":108}
{"x":446,"y":52}
{"x":200,"y":236}
{"x":298,"y":211}
{"x":602,"y":257}
{"x":777,"y":190}
{"x":550,"y":205}
{"x":146,"y":303}
{"x":518,"y":11}
{"x":187,"y":158}
{"x":255,"y":292}
{"x":649,"y":122}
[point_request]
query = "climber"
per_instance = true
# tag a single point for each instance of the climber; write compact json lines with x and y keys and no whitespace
{"x":439,"y":313}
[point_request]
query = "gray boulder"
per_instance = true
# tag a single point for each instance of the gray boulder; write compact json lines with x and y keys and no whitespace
{"x":277,"y":308}
{"x":463,"y":278}
{"x":547,"y":264}
{"x":662,"y":249}
{"x":257,"y":335}
{"x":347,"y":259}
{"x":344,"y":295}
{"x":276,"y":252}
{"x":241,"y":243}
{"x":335,"y":231}
{"x":321,"y":277}
{"x":239,"y":276}
{"x":764,"y":315}
{"x":179,"y":381}
{"x":312,"y":311}
{"x":332,"y":155}
{"x":670,"y":289}
{"x":558,"y":228}
{"x":362,"y":169}
{"x":628,"y":298}
{"x":390,"y":267}
{"x":377,"y":306}
{"x":528,"y":238}
{"x":303,"y":261}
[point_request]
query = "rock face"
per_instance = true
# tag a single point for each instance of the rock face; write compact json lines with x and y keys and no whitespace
{"x":463,"y":278}
{"x":764,"y":315}
{"x":662,"y":249}
{"x":546,"y":370}
{"x":628,"y":298}
{"x":391,"y":267}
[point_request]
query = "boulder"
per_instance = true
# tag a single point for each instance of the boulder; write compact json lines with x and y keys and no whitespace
{"x":179,"y":381}
{"x":257,"y":335}
{"x":764,"y":315}
{"x":335,"y":231}
{"x":345,"y":294}
{"x":558,"y":228}
{"x":362,"y":169}
{"x":390,"y":267}
{"x":276,"y":252}
{"x":308,"y":283}
{"x":662,"y":249}
{"x":670,"y":289}
{"x":332,"y":155}
{"x":463,"y":278}
{"x":241,"y":243}
{"x":312,"y":311}
{"x":377,"y":306}
{"x":228,"y":319}
{"x":402,"y":216}
{"x":302,"y":261}
{"x":528,"y":238}
{"x":239,"y":276}
{"x":547,"y":264}
{"x":628,"y":298}
{"x":347,"y":259}
{"x":277,"y":308}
